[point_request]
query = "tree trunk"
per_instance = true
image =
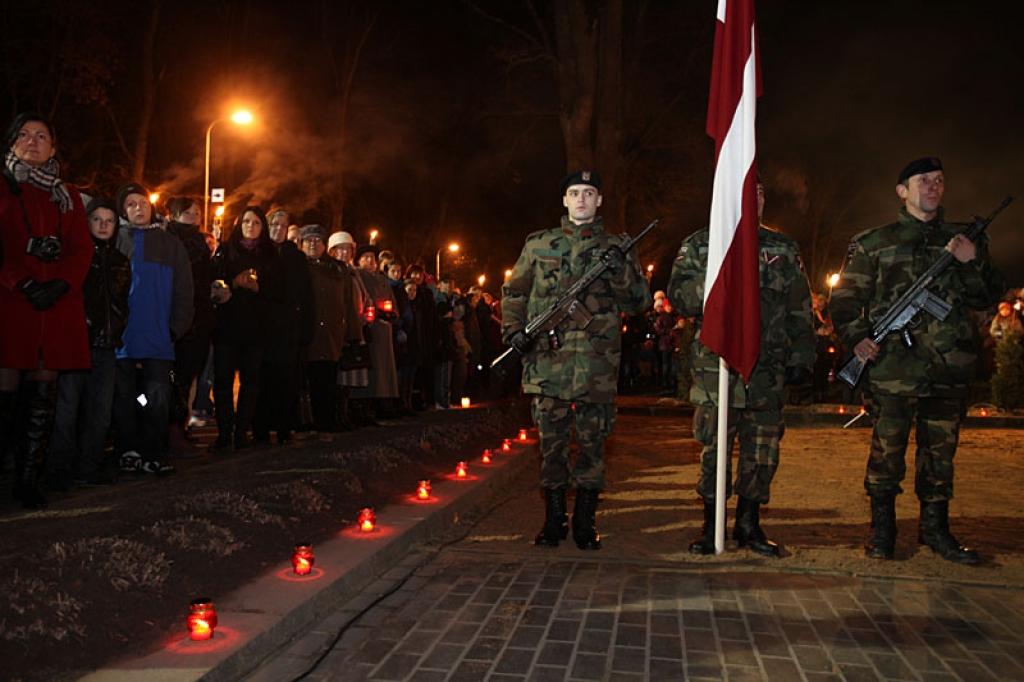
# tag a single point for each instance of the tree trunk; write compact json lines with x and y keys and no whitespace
{"x":148,"y":94}
{"x":576,"y":37}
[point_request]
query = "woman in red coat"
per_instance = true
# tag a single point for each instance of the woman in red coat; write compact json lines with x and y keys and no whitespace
{"x":45,"y":252}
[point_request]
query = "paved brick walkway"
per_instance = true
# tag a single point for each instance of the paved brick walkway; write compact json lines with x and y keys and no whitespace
{"x":472,"y":615}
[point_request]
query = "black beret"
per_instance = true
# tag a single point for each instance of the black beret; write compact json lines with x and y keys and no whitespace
{"x":367,"y":248}
{"x":925,"y":165}
{"x":582,"y":177}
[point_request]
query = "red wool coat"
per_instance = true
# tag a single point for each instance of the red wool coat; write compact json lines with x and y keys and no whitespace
{"x":56,"y":338}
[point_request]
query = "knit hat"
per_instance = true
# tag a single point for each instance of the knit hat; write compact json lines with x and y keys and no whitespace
{"x":581,"y":177}
{"x":308,"y":231}
{"x":339,"y":238}
{"x":367,"y":248}
{"x":122,"y":195}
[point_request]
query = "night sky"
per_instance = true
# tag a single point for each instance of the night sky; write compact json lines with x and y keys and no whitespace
{"x":453,"y":129}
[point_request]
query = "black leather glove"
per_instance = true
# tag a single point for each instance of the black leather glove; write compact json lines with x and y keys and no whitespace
{"x":614,"y":259}
{"x":521,"y":342}
{"x":797,"y":376}
{"x":42,"y":295}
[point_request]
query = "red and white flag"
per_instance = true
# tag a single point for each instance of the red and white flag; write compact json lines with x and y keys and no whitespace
{"x":732,"y":297}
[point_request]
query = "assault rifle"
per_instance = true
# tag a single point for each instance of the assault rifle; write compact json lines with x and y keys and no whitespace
{"x":569,"y":304}
{"x":900,"y":317}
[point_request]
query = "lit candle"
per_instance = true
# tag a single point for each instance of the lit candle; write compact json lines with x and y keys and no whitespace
{"x":461,"y":470}
{"x":465,"y":402}
{"x":423,"y":490}
{"x":522,"y":434}
{"x":506,"y":445}
{"x":202,"y":619}
{"x":486,"y":458}
{"x":367,"y":520}
{"x":842,"y":409}
{"x":302,"y":559}
{"x":984,"y":412}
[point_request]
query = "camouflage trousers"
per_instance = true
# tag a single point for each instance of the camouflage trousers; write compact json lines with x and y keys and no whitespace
{"x":555,"y":420}
{"x":759,"y":434}
{"x":937,"y":435}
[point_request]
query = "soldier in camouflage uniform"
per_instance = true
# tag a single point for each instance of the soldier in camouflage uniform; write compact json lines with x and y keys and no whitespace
{"x":575,"y":383}
{"x":927,"y":382}
{"x":755,"y":409}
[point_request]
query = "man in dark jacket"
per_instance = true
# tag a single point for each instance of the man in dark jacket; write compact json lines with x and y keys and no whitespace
{"x":289,"y":334}
{"x":160,"y":311}
{"x":85,"y":398}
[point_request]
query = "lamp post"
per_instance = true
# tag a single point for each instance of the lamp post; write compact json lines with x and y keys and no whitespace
{"x":242,"y":117}
{"x":453,"y":247}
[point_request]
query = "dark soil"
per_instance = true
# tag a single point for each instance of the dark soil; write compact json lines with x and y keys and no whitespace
{"x":105,"y":573}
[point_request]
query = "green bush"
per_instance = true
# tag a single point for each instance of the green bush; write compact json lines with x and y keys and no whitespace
{"x":1008,"y":381}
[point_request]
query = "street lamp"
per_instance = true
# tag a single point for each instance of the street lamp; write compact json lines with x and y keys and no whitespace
{"x":508,"y":273}
{"x":242,"y":117}
{"x":481,"y":279}
{"x":453,"y":247}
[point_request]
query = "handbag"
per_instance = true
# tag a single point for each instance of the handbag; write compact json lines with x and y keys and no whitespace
{"x":355,"y":356}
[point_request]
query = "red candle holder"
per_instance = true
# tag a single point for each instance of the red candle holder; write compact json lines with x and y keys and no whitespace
{"x":461,"y":470}
{"x":303,"y":559}
{"x":202,"y":619}
{"x":506,"y":445}
{"x":522,"y":434}
{"x":370,"y":314}
{"x":367,"y":520}
{"x":423,"y":490}
{"x":486,"y":457}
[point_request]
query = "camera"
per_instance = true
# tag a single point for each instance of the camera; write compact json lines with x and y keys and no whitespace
{"x":44,"y":248}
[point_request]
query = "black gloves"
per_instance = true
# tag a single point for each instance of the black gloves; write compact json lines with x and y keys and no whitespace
{"x":521,"y":342}
{"x":614,"y":259}
{"x":42,"y":295}
{"x":797,"y":376}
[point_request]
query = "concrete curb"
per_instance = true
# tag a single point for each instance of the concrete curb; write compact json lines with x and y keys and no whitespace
{"x":259,"y":618}
{"x":805,"y":418}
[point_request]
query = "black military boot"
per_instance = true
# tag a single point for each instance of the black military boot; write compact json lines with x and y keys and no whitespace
{"x":41,"y":399}
{"x":747,"y":531}
{"x":584,"y":519}
{"x":881,"y":543}
{"x":934,"y":532}
{"x":705,"y":542}
{"x":556,"y":519}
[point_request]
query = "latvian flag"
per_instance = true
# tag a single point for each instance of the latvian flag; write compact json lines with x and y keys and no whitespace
{"x":732,"y":304}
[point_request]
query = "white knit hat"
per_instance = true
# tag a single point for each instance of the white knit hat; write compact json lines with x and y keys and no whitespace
{"x":339,"y":238}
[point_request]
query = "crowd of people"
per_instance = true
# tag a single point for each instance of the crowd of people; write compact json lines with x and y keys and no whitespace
{"x":139,"y":323}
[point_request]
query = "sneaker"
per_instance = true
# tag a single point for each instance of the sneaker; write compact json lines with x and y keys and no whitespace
{"x":130,"y":461}
{"x":158,"y":468}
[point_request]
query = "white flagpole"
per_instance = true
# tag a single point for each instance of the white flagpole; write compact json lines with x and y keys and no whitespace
{"x":723,"y":453}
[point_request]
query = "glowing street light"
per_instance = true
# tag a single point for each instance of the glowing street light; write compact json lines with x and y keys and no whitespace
{"x":832,"y":279}
{"x":481,"y":279}
{"x":508,"y":273}
{"x":453,"y":248}
{"x":242,"y":117}
{"x":154,"y":197}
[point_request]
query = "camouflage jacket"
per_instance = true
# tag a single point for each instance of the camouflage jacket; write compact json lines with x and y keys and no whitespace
{"x":787,"y":334}
{"x":586,"y":366}
{"x":883,"y":263}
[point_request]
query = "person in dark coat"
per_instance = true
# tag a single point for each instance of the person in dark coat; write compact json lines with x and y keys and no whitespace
{"x":85,"y":398}
{"x":424,"y":303}
{"x":288,"y":335}
{"x":44,"y":257}
{"x":405,"y":337}
{"x":192,"y":348}
{"x":248,"y":289}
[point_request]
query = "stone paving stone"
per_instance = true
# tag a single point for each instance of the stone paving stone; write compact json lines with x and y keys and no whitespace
{"x":544,"y":598}
{"x":470,"y":671}
{"x":526,"y":636}
{"x":858,"y":673}
{"x":633,"y":617}
{"x":350,"y":673}
{"x":813,"y":658}
{"x":515,"y":661}
{"x":850,"y":655}
{"x":664,"y":625}
{"x":735,"y":673}
{"x":617,"y":676}
{"x":938,"y":677}
{"x":451,"y":602}
{"x":563,"y":630}
{"x":665,"y":669}
{"x":629,"y":659}
{"x":545,"y":673}
{"x":631,"y":635}
{"x":780,"y":669}
{"x":374,"y":650}
{"x":499,"y":626}
{"x":770,"y":645}
{"x":599,"y":620}
{"x":589,"y":667}
{"x":460,"y":633}
{"x":555,"y":653}
{"x":822,"y":677}
{"x":1003,"y":667}
{"x":971,"y":671}
{"x":892,"y":667}
{"x":443,"y":656}
{"x":485,"y":648}
{"x":732,"y":629}
{"x":594,"y":641}
{"x":282,"y":667}
{"x":604,"y":599}
{"x":758,"y":622}
{"x":428,"y":676}
{"x":666,"y":647}
{"x":395,"y":667}
{"x":487,"y":595}
{"x":475,"y":613}
{"x":537,"y":615}
{"x":872,"y":640}
{"x":947,"y":648}
{"x":498,"y":677}
{"x":921,"y":659}
{"x":696,"y":619}
{"x":417,"y":642}
{"x":736,"y":655}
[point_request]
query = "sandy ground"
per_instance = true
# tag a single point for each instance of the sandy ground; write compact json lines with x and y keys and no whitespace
{"x":819,"y":511}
